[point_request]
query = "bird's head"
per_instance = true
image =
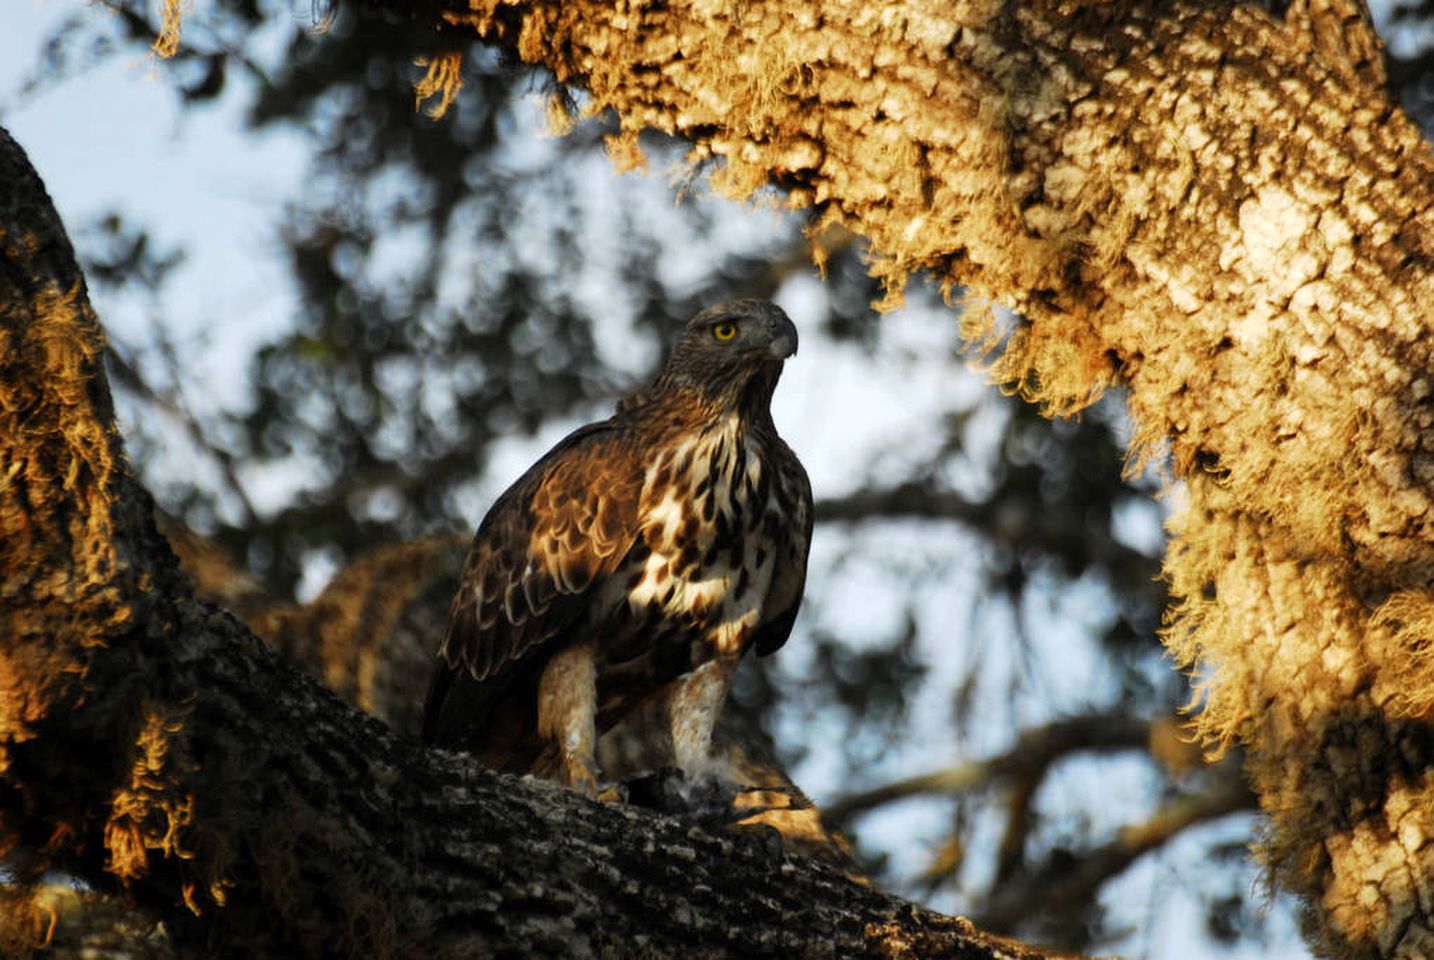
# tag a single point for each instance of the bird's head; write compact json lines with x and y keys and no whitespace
{"x":732,"y":354}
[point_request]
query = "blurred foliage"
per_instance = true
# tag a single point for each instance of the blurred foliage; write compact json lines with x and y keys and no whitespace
{"x":450,"y":294}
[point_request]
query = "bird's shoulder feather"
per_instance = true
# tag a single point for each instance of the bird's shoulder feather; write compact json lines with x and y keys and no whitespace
{"x":794,"y":539}
{"x":562,"y":527}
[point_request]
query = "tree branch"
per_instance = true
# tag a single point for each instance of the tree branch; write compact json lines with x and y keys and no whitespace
{"x":1060,"y":534}
{"x":1034,"y":752}
{"x":1067,"y":883}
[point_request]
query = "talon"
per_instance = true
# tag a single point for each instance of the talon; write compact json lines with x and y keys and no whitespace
{"x":612,"y":793}
{"x":581,"y":777}
{"x":770,"y":837}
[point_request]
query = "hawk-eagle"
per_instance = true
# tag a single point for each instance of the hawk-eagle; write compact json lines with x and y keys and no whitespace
{"x":624,"y":575}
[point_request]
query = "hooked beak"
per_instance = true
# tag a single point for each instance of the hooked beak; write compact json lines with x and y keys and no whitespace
{"x":784,"y":339}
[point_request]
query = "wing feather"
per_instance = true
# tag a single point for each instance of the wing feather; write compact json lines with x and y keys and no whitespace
{"x":795,"y":540}
{"x":536,"y":560}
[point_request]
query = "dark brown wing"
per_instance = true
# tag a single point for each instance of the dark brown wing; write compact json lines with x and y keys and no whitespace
{"x":789,"y":534}
{"x":543,"y":547}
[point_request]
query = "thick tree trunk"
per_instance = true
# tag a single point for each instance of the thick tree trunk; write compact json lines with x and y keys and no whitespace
{"x":1219,"y":210}
{"x":152,"y":746}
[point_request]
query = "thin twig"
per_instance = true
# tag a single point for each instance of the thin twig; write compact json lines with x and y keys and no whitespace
{"x":126,"y":373}
{"x":1064,"y":883}
{"x":1035,"y":751}
{"x":1013,"y":524}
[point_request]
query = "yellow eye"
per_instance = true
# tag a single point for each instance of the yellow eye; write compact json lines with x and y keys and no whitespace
{"x":724,"y":331}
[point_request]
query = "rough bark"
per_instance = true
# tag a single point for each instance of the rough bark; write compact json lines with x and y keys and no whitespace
{"x":151,"y":745}
{"x":1221,"y":211}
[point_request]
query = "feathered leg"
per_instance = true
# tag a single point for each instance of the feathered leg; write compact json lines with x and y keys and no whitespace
{"x":692,"y":712}
{"x":567,"y":714}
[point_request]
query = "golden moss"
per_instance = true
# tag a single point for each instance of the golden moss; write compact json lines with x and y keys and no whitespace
{"x":27,"y":920}
{"x":443,"y":79}
{"x":624,"y":149}
{"x":1404,"y":627}
{"x":57,"y":438}
{"x":558,"y":110}
{"x":149,"y":812}
{"x":171,"y":16}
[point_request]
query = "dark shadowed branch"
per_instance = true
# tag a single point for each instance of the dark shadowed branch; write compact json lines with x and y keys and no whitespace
{"x":1067,"y":882}
{"x":1033,"y":754}
{"x":1014,"y":524}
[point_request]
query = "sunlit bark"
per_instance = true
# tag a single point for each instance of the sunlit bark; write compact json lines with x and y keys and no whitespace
{"x":1220,"y":211}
